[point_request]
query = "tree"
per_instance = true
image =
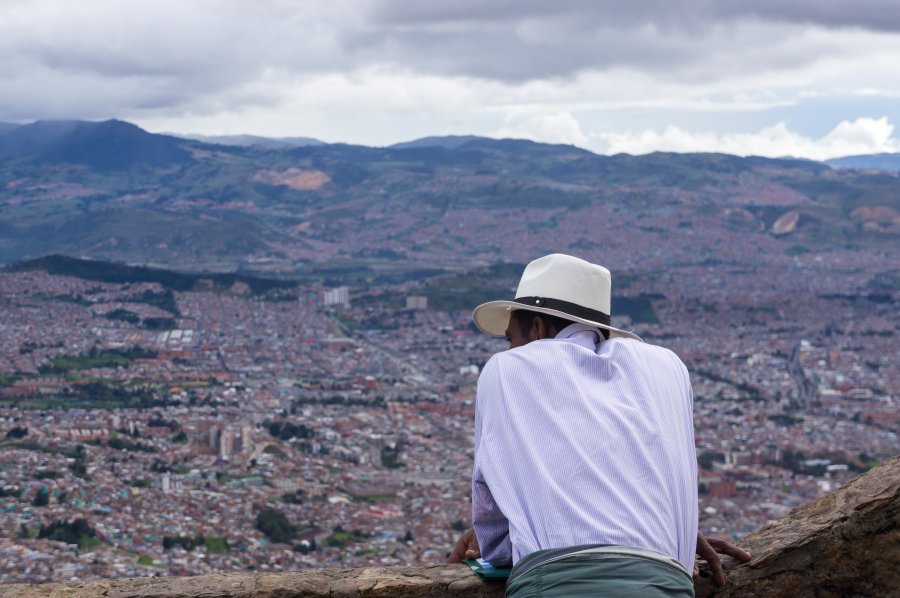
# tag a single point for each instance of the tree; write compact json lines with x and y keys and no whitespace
{"x":42,"y":498}
{"x":390,"y":456}
{"x":295,"y":497}
{"x":11,"y":491}
{"x":77,"y":532}
{"x":17,"y":432}
{"x":275,"y":526}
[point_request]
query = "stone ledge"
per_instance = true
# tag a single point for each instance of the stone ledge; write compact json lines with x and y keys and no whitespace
{"x":846,"y":543}
{"x":436,"y":580}
{"x":843,"y":544}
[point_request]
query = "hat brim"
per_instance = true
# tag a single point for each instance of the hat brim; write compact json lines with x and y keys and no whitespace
{"x":493,"y":317}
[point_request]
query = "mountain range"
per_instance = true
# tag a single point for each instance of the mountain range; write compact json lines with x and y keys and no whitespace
{"x":110,"y":190}
{"x":885,"y":162}
{"x":255,"y":141}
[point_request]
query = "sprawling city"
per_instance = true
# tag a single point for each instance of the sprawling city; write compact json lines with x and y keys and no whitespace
{"x":146,"y":431}
{"x":241,"y":244}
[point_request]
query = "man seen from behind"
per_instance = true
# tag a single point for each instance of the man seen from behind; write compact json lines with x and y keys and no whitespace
{"x":585,"y":475}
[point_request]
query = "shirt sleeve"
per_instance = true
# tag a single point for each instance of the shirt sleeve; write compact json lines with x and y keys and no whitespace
{"x":491,"y":526}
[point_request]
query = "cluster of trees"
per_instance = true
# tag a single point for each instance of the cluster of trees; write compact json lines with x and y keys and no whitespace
{"x":286,"y":430}
{"x":164,"y":300}
{"x":706,"y":459}
{"x":294,"y":498}
{"x":120,"y":444}
{"x":159,"y":466}
{"x":78,"y":466}
{"x":275,"y":526}
{"x":112,"y":396}
{"x":10,"y":491}
{"x":390,"y":456}
{"x":42,"y":498}
{"x":189,"y":543}
{"x":96,"y":358}
{"x":339,"y":537}
{"x":76,"y":532}
{"x":123,"y":315}
{"x":17,"y":432}
{"x":120,"y":273}
{"x":159,"y":323}
{"x":785,"y":420}
{"x":157,"y":421}
{"x":273,"y":450}
{"x":135,"y":352}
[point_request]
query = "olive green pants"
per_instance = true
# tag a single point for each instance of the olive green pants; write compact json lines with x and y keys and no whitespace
{"x":598,"y":571}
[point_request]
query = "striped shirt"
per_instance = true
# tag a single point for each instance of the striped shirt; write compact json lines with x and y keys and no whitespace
{"x":584,"y":442}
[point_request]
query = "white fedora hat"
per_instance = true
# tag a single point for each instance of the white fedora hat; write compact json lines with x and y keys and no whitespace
{"x":557,"y":285}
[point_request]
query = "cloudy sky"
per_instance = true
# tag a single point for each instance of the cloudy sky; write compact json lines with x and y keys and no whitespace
{"x":812,"y":78}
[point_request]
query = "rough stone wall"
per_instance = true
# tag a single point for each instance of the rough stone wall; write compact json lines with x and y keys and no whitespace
{"x":438,"y":580}
{"x":844,"y":544}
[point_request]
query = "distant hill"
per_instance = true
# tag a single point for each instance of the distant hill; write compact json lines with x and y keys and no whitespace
{"x":340,"y":212}
{"x":255,"y":141}
{"x":104,"y":146}
{"x":886,"y":162}
{"x":446,"y":141}
{"x":4,"y":127}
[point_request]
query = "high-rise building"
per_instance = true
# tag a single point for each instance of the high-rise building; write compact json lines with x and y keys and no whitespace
{"x":416,"y":302}
{"x":337,"y":296}
{"x":246,"y":439}
{"x":213,"y":438}
{"x":226,"y":443}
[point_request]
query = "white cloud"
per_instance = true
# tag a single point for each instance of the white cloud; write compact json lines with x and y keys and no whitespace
{"x":373,"y":106}
{"x":561,"y":127}
{"x":861,"y":136}
{"x":380,"y":71}
{"x":866,"y":134}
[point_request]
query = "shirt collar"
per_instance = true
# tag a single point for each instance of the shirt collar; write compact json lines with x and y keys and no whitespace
{"x":581,"y":334}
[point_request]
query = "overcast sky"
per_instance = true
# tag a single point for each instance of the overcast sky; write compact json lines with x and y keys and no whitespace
{"x":811,"y":78}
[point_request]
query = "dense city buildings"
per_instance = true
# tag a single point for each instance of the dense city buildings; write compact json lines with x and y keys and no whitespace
{"x":145,"y":431}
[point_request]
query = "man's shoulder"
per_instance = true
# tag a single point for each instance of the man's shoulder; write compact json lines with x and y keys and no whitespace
{"x":530,"y":356}
{"x":538,"y":355}
{"x":641,"y":350}
{"x":637,"y":346}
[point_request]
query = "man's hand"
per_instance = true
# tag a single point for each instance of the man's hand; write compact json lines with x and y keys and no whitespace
{"x":707,"y":549}
{"x":466,"y":548}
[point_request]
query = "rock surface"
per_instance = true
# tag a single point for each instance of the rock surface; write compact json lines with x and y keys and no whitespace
{"x":437,"y":580}
{"x":844,"y":544}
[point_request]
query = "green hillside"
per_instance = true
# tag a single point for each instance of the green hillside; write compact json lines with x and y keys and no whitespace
{"x":112,"y":192}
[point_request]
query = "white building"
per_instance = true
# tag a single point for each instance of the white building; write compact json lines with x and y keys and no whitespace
{"x":337,"y":296}
{"x":416,"y":302}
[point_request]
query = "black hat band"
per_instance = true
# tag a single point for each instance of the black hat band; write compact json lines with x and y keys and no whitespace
{"x":572,"y":309}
